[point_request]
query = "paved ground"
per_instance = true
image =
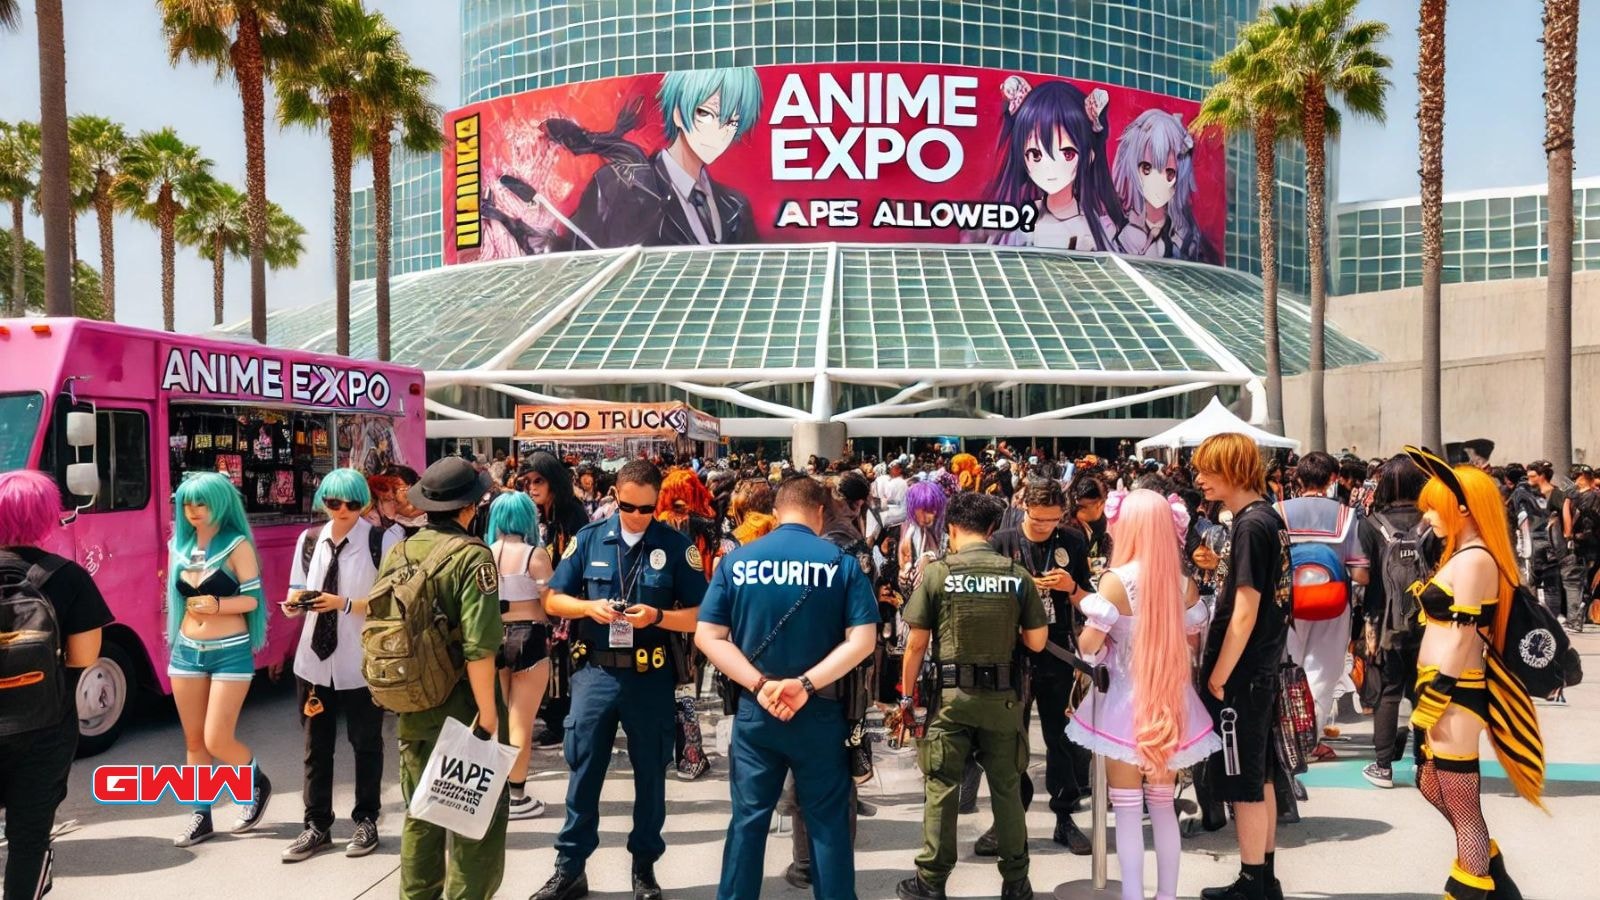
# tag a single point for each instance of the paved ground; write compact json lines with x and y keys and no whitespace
{"x":1356,"y":842}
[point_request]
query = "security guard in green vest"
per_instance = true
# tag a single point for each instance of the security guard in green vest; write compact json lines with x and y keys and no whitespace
{"x":977,"y":601}
{"x":468,"y":590}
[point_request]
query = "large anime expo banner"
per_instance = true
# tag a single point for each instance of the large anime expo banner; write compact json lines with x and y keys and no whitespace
{"x":838,"y":152}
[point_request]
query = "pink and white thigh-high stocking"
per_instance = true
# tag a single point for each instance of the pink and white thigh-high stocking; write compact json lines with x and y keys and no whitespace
{"x":1128,"y":804}
{"x":1164,"y":825}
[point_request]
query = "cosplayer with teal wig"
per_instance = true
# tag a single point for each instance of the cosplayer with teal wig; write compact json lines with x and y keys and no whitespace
{"x":513,"y":513}
{"x":226,"y":511}
{"x":348,"y":485}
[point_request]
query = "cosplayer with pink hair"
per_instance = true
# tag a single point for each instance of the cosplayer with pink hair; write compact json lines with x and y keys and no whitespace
{"x":1150,"y":723}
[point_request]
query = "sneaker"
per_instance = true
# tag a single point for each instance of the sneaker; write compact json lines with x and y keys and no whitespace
{"x":1070,"y":836}
{"x":562,"y":886}
{"x":199,"y":829}
{"x":1382,"y":776}
{"x":526,"y":807}
{"x":1323,"y":753}
{"x":364,"y":841}
{"x":689,"y":771}
{"x":310,"y":842}
{"x":547,"y":738}
{"x":250,"y":814}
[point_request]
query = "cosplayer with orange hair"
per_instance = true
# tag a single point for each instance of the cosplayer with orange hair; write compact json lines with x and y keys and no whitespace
{"x":685,"y":504}
{"x":1151,"y":722}
{"x":1463,"y":687}
{"x":967,"y":470}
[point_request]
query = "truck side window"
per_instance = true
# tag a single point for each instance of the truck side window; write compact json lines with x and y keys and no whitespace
{"x":123,"y":454}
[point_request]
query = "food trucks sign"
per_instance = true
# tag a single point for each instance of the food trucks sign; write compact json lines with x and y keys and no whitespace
{"x":238,"y":376}
{"x":596,"y":421}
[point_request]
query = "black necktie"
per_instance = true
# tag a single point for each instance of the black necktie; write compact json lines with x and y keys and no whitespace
{"x":325,"y":634}
{"x":698,"y":198}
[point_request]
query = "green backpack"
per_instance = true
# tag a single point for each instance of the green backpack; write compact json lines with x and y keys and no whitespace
{"x":411,"y":652}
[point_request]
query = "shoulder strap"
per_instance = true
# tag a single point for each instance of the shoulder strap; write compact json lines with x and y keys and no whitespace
{"x":375,"y":545}
{"x":805,"y":595}
{"x":41,"y":571}
{"x":1385,"y":527}
{"x":308,"y":549}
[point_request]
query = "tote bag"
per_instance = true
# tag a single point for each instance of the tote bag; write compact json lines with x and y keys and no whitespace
{"x":461,"y":784}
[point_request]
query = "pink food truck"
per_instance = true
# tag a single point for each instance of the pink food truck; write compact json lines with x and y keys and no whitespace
{"x":118,"y":415}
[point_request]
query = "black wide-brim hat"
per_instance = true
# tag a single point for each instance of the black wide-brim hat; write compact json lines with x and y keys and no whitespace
{"x":449,"y":484}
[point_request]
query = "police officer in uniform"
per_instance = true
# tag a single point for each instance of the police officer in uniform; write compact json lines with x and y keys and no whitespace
{"x":972,"y":603}
{"x":1058,"y":560}
{"x":786,"y":618}
{"x":627,"y":580}
{"x":468,"y":590}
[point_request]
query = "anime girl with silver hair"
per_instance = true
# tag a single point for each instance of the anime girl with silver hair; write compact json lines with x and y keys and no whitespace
{"x":1053,"y":157}
{"x":1154,"y":178}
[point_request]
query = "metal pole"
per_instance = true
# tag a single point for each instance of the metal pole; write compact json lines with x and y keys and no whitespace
{"x":1098,"y":885}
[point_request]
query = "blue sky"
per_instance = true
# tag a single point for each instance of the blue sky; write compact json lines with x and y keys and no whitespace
{"x":117,"y":67}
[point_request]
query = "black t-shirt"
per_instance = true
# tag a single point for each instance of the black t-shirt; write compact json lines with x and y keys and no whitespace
{"x":1257,"y":556}
{"x":79,"y":606}
{"x":1062,"y":550}
{"x":1557,"y":502}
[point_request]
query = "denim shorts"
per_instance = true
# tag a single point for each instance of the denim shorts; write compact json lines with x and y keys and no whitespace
{"x":222,"y":659}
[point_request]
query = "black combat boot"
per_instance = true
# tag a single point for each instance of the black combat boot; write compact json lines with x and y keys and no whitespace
{"x":1504,"y":887}
{"x":644,"y":882}
{"x":563,"y":886}
{"x":914,"y":888}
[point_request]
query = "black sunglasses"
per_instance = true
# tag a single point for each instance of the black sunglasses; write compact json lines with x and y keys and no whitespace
{"x":335,"y":504}
{"x":630,"y":508}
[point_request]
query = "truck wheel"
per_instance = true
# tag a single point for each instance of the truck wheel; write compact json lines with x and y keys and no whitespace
{"x":106,"y":692}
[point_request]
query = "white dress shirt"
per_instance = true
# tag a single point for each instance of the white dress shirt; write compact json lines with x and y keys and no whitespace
{"x":342,"y":670}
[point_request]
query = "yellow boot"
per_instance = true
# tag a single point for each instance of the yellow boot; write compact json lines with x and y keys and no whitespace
{"x":1464,"y":885}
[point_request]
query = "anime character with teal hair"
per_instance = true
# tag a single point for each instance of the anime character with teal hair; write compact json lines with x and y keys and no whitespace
{"x":667,"y":197}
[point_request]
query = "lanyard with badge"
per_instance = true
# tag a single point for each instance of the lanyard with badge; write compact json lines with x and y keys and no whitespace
{"x":621,"y":630}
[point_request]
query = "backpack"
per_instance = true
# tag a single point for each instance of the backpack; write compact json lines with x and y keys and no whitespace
{"x":1537,"y":649}
{"x":1586,"y":520}
{"x":1404,"y":564}
{"x":308,"y":547}
{"x":411,"y":652}
{"x":1321,"y":588}
{"x":33,"y":684}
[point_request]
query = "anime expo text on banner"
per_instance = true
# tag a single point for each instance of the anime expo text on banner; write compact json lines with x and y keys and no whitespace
{"x":835,"y":152}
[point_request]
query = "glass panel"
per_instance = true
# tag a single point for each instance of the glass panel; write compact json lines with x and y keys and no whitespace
{"x":19,"y":423}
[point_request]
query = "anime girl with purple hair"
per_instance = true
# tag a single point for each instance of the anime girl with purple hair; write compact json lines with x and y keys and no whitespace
{"x":1053,"y":157}
{"x":923,"y":536}
{"x":1154,"y":178}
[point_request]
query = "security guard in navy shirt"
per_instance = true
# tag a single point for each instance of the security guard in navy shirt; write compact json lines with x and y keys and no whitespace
{"x":786,"y":618}
{"x":627,"y":580}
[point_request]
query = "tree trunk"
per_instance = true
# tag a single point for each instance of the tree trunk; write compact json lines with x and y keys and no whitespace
{"x":381,"y":210}
{"x":19,"y":268}
{"x":1430,"y":141}
{"x":1560,"y":93}
{"x":108,"y":267}
{"x":1312,"y":109}
{"x":54,"y":190}
{"x":167,"y":214}
{"x":339,"y":129}
{"x":218,"y":259}
{"x":249,"y":69}
{"x":1266,"y":195}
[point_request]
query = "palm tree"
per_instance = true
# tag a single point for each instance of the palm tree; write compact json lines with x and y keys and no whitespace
{"x":1248,"y":97}
{"x":218,"y":228}
{"x":1560,"y":100}
{"x":100,"y":143}
{"x":246,"y":40}
{"x":397,"y":97}
{"x":326,"y":93}
{"x":1327,"y":57}
{"x":55,"y":188}
{"x":286,"y":239}
{"x":161,"y":177}
{"x":9,"y":12}
{"x":85,"y":283}
{"x":19,"y":165}
{"x":1430,"y":144}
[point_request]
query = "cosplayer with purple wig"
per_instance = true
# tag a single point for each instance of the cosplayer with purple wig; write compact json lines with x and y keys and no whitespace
{"x":923,"y":535}
{"x":1053,"y":157}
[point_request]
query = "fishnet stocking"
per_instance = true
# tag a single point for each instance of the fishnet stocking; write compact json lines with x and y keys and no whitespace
{"x":1428,"y":784}
{"x":1463,"y":806}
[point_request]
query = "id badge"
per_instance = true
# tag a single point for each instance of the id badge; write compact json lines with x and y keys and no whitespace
{"x":621,"y":634}
{"x":1050,"y":609}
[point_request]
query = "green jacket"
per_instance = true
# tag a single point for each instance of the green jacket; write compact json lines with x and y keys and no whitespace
{"x":975,"y":600}
{"x":468,"y":591}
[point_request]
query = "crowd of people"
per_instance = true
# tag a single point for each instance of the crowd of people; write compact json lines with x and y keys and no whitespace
{"x":1158,"y":615}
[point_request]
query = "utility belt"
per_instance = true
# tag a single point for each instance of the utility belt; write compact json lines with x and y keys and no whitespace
{"x":639,"y":659}
{"x":998,"y":677}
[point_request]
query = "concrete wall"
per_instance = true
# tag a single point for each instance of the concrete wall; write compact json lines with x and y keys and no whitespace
{"x":1493,"y":378}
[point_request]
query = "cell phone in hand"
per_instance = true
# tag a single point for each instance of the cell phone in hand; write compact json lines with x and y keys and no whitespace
{"x":306,"y":599}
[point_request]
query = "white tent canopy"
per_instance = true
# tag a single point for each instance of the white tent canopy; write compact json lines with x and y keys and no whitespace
{"x":1214,"y":419}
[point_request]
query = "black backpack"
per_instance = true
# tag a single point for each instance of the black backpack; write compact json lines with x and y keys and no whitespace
{"x":308,"y":547}
{"x":33,"y":683}
{"x":1537,"y":649}
{"x":1404,"y":564}
{"x":1586,"y":520}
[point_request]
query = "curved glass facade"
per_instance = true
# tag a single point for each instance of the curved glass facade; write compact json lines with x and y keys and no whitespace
{"x":1165,"y":46}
